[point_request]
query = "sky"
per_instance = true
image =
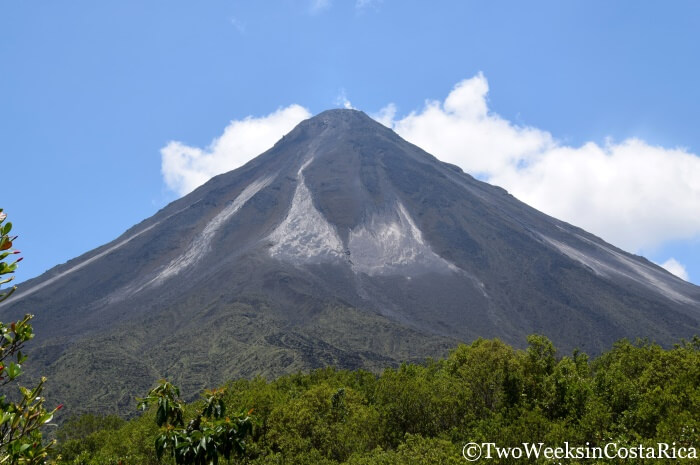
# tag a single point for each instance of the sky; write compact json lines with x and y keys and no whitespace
{"x":586,"y":110}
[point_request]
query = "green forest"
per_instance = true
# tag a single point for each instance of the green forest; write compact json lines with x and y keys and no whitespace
{"x":486,"y":392}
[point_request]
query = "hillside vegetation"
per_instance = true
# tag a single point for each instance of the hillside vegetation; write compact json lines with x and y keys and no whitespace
{"x":486,"y":392}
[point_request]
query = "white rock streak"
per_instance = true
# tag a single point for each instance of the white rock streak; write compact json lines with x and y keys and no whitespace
{"x":640,"y":273}
{"x":201,"y":244}
{"x":388,"y":243}
{"x":393,"y":244}
{"x":304,"y":236}
{"x":32,"y":290}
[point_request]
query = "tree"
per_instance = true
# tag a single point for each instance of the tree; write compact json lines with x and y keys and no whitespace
{"x":206,"y":437}
{"x":6,"y":251}
{"x":20,"y":421}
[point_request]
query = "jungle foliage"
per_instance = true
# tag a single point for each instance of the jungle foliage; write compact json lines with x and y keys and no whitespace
{"x":636,"y":393}
{"x":22,"y":414}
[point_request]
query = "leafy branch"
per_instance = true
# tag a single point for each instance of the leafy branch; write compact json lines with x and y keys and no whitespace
{"x":208,"y":436}
{"x":20,"y":437}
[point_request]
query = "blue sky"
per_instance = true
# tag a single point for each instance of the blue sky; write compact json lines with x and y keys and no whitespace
{"x":586,"y":109}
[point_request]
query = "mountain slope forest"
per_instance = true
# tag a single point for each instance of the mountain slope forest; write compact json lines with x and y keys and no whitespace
{"x":486,"y":392}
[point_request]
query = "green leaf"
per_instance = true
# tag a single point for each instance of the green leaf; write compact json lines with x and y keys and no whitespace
{"x":160,"y":415}
{"x":160,"y":445}
{"x":6,"y":416}
{"x":14,"y":370}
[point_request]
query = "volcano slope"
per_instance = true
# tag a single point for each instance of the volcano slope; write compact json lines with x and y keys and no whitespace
{"x":342,"y":245}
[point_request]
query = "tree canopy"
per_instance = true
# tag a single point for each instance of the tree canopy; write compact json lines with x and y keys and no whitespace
{"x":487,"y":391}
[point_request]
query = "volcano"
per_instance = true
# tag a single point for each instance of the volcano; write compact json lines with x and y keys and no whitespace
{"x":342,"y":245}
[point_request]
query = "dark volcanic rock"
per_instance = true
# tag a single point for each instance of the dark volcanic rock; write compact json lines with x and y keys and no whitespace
{"x":343,"y":244}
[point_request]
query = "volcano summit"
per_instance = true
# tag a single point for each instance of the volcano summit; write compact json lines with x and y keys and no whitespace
{"x":343,"y":244}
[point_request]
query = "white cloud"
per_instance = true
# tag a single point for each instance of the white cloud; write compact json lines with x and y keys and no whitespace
{"x":672,"y":266}
{"x":184,"y":167}
{"x":630,"y":193}
{"x":362,"y":4}
{"x":386,"y":115}
{"x":461,"y":130}
{"x":319,"y":5}
{"x":238,"y":24}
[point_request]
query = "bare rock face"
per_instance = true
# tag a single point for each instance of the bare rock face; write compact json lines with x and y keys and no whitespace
{"x":345,"y":245}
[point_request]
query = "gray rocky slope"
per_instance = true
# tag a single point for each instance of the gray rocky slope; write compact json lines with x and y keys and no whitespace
{"x":343,"y":244}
